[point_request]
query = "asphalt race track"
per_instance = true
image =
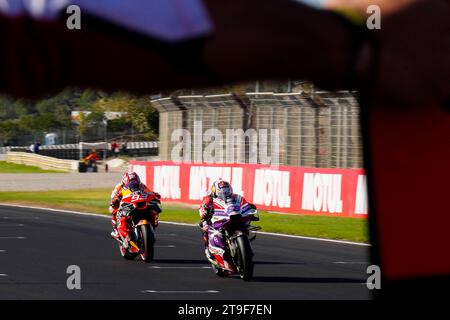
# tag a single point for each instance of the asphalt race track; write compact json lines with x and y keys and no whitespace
{"x":37,"y":246}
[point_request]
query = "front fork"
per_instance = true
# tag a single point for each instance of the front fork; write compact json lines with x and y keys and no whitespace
{"x":233,"y":247}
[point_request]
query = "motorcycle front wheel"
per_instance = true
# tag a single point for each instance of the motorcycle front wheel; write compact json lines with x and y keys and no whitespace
{"x":148,"y":242}
{"x":244,"y":257}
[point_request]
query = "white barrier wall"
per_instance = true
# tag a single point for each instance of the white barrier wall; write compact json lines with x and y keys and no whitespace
{"x":42,"y":162}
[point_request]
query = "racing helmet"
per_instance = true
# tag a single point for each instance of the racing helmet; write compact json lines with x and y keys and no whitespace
{"x":131,"y":181}
{"x":222,"y":189}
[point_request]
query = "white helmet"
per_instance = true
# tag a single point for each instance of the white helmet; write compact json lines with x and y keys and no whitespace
{"x":222,"y":189}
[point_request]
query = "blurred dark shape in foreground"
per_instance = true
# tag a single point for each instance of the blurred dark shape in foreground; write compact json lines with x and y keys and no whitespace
{"x":402,"y":72}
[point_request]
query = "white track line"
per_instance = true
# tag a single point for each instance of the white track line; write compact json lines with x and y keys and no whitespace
{"x":180,"y":223}
{"x":318,"y":239}
{"x":12,"y":237}
{"x":6,"y":218}
{"x":1,"y":251}
{"x":3,"y":275}
{"x":158,"y":267}
{"x":180,"y":291}
{"x":56,"y":210}
{"x":349,"y":262}
{"x":191,"y":225}
{"x":165,"y":246}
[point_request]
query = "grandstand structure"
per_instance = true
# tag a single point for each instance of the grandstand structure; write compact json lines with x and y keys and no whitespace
{"x":314,"y":129}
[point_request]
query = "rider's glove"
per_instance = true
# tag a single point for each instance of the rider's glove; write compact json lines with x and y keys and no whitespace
{"x":203,"y":225}
{"x":205,"y":215}
{"x":115,"y":202}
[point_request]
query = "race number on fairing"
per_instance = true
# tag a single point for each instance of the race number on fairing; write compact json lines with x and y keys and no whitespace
{"x":138,"y":196}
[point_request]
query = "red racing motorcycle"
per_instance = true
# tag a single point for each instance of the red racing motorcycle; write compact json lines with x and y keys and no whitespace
{"x":142,"y":210}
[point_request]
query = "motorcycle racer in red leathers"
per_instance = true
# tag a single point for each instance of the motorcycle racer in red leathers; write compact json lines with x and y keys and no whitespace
{"x":130,"y":181}
{"x":223,"y":190}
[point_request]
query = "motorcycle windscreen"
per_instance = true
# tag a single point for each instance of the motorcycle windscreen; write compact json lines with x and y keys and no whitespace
{"x":408,"y":161}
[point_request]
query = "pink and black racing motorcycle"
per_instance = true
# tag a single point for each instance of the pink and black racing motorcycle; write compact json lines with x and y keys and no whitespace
{"x":229,"y":238}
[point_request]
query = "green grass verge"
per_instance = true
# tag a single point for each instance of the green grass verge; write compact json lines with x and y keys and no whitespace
{"x":8,"y":167}
{"x":97,"y":200}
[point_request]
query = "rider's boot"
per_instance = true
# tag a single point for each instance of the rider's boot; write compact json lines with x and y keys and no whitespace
{"x":208,"y":253}
{"x":204,"y":226}
{"x":123,"y":232}
{"x":114,"y":232}
{"x":209,"y":256}
{"x":126,"y":242}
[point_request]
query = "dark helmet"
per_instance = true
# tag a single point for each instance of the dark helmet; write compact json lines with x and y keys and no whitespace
{"x":131,"y":181}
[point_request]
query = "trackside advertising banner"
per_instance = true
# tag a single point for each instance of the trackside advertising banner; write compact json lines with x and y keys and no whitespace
{"x":332,"y":192}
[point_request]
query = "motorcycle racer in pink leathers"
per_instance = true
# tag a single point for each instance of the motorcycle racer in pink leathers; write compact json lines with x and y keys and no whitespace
{"x":220,"y":189}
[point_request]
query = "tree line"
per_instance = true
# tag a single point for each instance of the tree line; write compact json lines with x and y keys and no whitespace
{"x":19,"y":117}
